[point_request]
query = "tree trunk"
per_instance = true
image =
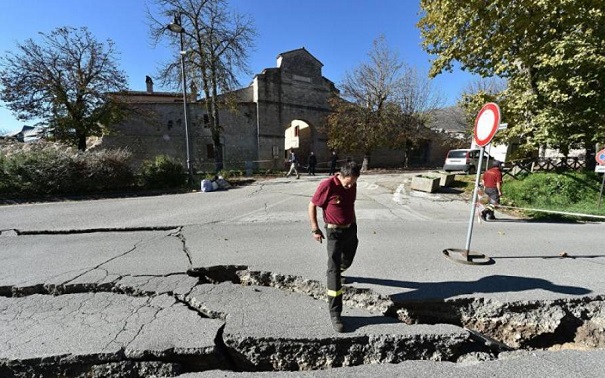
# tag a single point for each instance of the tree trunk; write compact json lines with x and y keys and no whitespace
{"x":218,"y":156}
{"x":81,"y":141}
{"x":216,"y":124}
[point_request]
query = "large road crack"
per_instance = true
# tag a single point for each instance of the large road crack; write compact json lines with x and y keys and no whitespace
{"x":98,"y":266}
{"x":92,"y":230}
{"x":179,"y":234}
{"x":228,"y":294}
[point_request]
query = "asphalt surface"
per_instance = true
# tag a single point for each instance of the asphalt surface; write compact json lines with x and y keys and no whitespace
{"x":150,"y":278}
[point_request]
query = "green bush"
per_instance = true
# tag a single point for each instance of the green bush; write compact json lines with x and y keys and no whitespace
{"x":44,"y":171}
{"x":162,"y":173}
{"x":47,"y":168}
{"x":105,"y":170}
{"x":6,"y":184}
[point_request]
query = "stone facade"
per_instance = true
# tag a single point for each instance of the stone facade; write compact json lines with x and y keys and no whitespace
{"x":284,"y":107}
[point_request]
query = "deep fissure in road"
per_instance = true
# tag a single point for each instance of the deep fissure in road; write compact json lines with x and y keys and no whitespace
{"x":493,"y":328}
{"x":574,"y":322}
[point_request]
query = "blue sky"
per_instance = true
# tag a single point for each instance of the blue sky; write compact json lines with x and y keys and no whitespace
{"x":339,"y":33}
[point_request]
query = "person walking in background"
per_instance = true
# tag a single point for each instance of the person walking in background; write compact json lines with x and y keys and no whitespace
{"x":336,"y":197}
{"x":293,"y":165}
{"x":312,"y":162}
{"x":492,"y":184}
{"x":333,"y":161}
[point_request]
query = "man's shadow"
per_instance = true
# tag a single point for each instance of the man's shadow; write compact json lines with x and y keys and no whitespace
{"x":450,"y":289}
{"x":530,"y":220}
{"x":440,"y":291}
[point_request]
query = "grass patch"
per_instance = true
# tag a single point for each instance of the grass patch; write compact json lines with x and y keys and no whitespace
{"x":572,"y":192}
{"x":465,"y":183}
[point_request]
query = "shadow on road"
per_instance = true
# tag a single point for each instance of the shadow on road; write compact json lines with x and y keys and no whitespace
{"x":356,"y":322}
{"x":567,"y":256}
{"x":529,"y":220}
{"x":450,"y":289}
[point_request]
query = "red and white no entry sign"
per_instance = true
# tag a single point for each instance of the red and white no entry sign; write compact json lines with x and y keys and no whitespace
{"x":487,"y":123}
{"x":600,"y":157}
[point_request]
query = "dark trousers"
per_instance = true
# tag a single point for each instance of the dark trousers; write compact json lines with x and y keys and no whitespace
{"x":332,"y":169}
{"x":493,"y":201}
{"x":342,"y":245}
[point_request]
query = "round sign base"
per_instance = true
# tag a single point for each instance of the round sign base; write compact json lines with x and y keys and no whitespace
{"x":467,"y":257}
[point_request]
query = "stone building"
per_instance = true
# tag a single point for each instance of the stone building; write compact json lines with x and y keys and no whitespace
{"x":284,"y":107}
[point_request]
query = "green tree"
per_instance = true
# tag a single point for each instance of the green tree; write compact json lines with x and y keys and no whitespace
{"x":476,"y":94}
{"x":381,"y":104}
{"x":217,"y":42}
{"x":551,"y":52}
{"x":64,"y":80}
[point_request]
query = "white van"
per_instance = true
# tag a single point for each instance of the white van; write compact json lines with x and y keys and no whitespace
{"x":465,"y":160}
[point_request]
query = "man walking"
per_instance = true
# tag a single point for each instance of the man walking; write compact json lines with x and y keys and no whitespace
{"x":492,"y":184}
{"x":336,"y":197}
{"x":312,"y":162}
{"x":293,"y":165}
{"x":333,"y":161}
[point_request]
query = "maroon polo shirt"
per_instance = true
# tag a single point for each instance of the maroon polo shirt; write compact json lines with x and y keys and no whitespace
{"x":337,"y":203}
{"x":491,"y":177}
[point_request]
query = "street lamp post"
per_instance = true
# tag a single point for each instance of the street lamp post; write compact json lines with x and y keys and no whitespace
{"x":176,"y":27}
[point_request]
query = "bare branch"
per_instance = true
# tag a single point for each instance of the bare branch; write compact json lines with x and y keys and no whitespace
{"x":63,"y":79}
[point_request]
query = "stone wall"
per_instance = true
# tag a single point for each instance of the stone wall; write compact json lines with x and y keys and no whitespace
{"x":253,"y":133}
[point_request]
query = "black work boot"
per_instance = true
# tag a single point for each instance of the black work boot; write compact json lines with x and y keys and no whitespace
{"x":337,"y":323}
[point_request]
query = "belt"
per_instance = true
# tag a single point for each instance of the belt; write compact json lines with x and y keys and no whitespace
{"x":332,"y":225}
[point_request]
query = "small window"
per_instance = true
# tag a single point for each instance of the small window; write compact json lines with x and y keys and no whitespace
{"x":275,"y":152}
{"x":457,"y":154}
{"x":206,"y":121}
{"x":296,"y":131}
{"x":169,"y":125}
{"x":210,"y":151}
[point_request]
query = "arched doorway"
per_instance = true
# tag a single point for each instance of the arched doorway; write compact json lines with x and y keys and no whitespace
{"x":298,"y":136}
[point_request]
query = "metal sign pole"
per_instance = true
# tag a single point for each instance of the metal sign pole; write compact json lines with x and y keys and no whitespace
{"x":486,"y":125}
{"x":601,"y":193}
{"x":600,"y":158}
{"x":474,"y":204}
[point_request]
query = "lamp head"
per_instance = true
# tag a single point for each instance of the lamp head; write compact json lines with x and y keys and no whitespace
{"x":175,"y":25}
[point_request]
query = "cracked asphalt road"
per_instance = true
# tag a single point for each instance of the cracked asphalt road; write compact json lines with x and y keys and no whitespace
{"x":209,"y":284}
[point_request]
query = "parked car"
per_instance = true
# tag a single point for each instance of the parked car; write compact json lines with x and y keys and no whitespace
{"x":466,"y":160}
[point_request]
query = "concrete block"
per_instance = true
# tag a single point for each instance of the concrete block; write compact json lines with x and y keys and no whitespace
{"x":446,"y":179}
{"x":425,"y":184}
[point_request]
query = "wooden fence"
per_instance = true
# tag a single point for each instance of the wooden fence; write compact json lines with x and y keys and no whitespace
{"x":514,"y":168}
